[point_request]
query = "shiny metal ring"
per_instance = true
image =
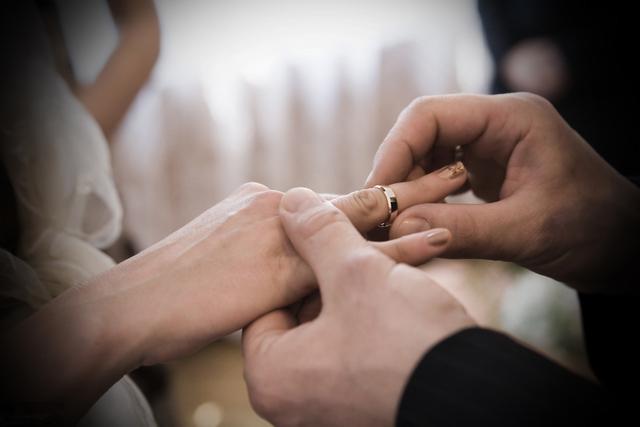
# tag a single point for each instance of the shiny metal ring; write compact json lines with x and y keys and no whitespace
{"x":392,"y":204}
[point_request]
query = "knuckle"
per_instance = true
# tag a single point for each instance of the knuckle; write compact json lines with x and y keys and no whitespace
{"x":253,"y":187}
{"x":532,"y":100}
{"x":401,"y":253}
{"x":319,"y":218}
{"x":365,"y":202}
{"x":266,"y":198}
{"x":269,"y":195}
{"x":418,"y":104}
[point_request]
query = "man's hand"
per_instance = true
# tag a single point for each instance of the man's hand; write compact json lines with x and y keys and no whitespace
{"x":349,"y":365}
{"x":555,"y":206}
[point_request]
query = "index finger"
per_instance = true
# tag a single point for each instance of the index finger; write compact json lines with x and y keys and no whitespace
{"x":491,"y":123}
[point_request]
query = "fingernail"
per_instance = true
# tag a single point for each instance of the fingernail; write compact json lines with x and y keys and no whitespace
{"x":438,"y":236}
{"x":451,"y":171}
{"x":299,"y":199}
{"x":412,"y":225}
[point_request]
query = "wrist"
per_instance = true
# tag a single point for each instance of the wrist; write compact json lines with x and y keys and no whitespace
{"x":130,"y":315}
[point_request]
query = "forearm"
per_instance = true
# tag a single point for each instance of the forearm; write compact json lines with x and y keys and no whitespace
{"x":64,"y":357}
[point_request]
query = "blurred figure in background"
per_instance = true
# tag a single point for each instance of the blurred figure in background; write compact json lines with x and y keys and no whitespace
{"x":109,"y":97}
{"x":63,"y":203}
{"x":577,"y":55}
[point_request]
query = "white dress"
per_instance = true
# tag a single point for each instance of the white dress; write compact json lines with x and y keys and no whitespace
{"x":58,"y":163}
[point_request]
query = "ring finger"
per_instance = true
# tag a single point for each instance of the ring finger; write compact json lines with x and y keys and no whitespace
{"x":368,"y":208}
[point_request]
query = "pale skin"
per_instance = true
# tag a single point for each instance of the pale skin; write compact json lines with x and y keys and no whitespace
{"x":555,"y":207}
{"x":227,"y":267}
{"x":560,"y":211}
{"x":378,"y":318}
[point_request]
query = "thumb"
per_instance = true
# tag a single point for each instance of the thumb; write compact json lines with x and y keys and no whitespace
{"x":322,"y":235}
{"x":489,"y":231}
{"x":265,"y":329}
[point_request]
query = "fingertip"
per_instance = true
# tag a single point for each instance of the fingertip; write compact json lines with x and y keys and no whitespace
{"x":454,"y":171}
{"x":417,"y":248}
{"x":299,"y":199}
{"x":437,"y":237}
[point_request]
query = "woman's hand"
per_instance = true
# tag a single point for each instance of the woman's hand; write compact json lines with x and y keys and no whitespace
{"x":235,"y":263}
{"x":555,"y":206}
{"x":227,"y":267}
{"x":349,"y":365}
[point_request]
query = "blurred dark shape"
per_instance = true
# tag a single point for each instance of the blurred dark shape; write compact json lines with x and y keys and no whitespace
{"x":9,"y":225}
{"x":579,"y":55}
{"x":153,"y":381}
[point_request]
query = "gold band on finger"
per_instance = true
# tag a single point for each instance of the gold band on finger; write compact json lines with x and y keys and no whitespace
{"x":392,"y":204}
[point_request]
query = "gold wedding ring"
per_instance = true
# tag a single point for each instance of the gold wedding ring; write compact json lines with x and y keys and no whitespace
{"x":392,"y":204}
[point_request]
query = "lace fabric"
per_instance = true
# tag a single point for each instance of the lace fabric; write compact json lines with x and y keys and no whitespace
{"x":58,"y":162}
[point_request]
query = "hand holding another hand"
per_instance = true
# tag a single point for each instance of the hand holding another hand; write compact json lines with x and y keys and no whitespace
{"x":224,"y":269}
{"x":348,"y":366}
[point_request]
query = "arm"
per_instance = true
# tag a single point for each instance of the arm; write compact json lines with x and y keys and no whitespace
{"x":554,"y":206}
{"x":610,"y":323}
{"x":481,"y":377}
{"x":378,"y":321}
{"x":128,"y":68}
{"x":59,"y":361}
{"x":377,"y":318}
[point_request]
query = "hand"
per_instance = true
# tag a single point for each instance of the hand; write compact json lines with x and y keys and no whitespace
{"x":227,"y":267}
{"x":347,"y":367}
{"x":235,"y":263}
{"x":556,"y":206}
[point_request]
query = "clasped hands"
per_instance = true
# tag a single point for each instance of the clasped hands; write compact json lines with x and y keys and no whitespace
{"x":342,"y":356}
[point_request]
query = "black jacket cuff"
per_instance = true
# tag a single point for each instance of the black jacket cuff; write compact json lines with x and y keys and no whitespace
{"x":481,"y":377}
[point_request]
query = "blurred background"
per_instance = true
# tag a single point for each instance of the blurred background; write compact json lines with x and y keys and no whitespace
{"x":300,"y":93}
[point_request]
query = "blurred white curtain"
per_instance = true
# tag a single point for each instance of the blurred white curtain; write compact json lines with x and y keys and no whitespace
{"x":293,"y":93}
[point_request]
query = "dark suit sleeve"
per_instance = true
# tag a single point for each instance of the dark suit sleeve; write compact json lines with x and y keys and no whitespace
{"x":480,"y":377}
{"x":610,"y":331}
